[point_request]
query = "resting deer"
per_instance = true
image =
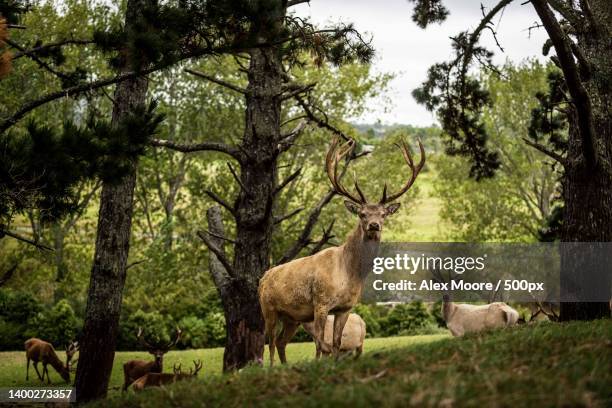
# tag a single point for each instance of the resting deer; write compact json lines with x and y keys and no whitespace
{"x":159,"y":379}
{"x":134,"y":369}
{"x":330,"y":281}
{"x":353,"y":334}
{"x":40,"y":351}
{"x":463,"y":318}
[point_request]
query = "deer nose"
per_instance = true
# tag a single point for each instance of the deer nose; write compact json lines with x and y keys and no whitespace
{"x":374,"y":226}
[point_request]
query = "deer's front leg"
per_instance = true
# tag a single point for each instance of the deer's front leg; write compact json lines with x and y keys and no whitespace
{"x":320,"y":319}
{"x":339,"y":322}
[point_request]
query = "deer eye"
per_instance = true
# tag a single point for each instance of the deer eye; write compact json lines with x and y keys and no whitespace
{"x":362,"y":215}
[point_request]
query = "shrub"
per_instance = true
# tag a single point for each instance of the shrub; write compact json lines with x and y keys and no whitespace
{"x":58,"y":325}
{"x":156,"y":327}
{"x":18,"y":311}
{"x":215,"y":329}
{"x":407,"y":319}
{"x":195,"y":333}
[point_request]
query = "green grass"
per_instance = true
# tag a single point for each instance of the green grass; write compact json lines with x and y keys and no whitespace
{"x":13,"y":363}
{"x":541,"y":365}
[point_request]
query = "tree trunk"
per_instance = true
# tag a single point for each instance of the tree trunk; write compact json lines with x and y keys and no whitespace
{"x":97,"y":345}
{"x":253,"y":210}
{"x":588,"y":187}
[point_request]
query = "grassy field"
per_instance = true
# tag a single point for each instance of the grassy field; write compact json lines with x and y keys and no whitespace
{"x":541,"y":365}
{"x":14,"y":363}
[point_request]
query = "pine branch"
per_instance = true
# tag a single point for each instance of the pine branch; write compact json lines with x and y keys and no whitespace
{"x":219,"y":200}
{"x":304,"y":238}
{"x":240,"y":183}
{"x":288,"y":180}
{"x":327,"y":236}
{"x":24,"y":239}
{"x":6,"y":276}
{"x":74,"y":90}
{"x":292,"y":3}
{"x":278,"y":220}
{"x":198,"y":147}
{"x":580,"y":97}
{"x":320,"y":122}
{"x":557,"y":157}
{"x":217,"y":81}
{"x":219,"y":253}
{"x":37,"y":60}
{"x":49,"y":46}
{"x":286,"y":141}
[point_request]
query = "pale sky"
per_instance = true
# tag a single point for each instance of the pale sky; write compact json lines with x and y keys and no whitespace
{"x":406,"y":50}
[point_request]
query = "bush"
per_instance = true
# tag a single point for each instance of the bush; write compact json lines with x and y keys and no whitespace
{"x":407,"y":319}
{"x":215,"y":329}
{"x":156,"y":327}
{"x":195,"y":333}
{"x":58,"y":325}
{"x":18,"y":311}
{"x":371,"y":316}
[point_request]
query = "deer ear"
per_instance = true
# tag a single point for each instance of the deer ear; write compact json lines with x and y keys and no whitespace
{"x":392,"y":208}
{"x":352,"y":207}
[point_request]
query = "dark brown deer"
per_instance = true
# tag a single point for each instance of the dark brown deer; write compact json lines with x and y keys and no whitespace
{"x":39,"y":351}
{"x":159,"y":379}
{"x":330,"y":281}
{"x":134,"y":369}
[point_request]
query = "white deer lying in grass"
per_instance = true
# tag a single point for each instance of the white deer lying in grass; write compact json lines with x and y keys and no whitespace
{"x":462,"y":318}
{"x":353,"y":334}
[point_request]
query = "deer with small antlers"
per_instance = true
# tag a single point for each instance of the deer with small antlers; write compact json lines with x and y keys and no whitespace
{"x":330,"y":281}
{"x":135,"y":369}
{"x":159,"y":379}
{"x":39,"y":351}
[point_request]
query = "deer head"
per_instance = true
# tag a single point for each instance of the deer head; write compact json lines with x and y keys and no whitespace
{"x":158,"y":350}
{"x":371,"y":214}
{"x":71,"y":350}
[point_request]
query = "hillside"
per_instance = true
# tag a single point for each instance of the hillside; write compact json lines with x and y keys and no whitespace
{"x":513,"y":367}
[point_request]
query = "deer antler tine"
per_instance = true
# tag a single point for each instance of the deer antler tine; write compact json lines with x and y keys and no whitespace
{"x":335,"y":153}
{"x":142,"y":340}
{"x":361,"y":195}
{"x":384,"y":194}
{"x":415,"y":170}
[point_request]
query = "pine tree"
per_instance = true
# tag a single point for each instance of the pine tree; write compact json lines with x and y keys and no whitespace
{"x":282,"y":42}
{"x":579,"y":33}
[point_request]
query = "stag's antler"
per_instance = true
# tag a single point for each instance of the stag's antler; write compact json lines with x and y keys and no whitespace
{"x":334,"y":154}
{"x":415,"y":171}
{"x":142,"y":341}
{"x":177,"y":368}
{"x":198,"y":366}
{"x":176,"y":339}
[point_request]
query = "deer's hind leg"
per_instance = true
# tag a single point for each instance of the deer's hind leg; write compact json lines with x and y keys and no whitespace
{"x":35,"y":364}
{"x":284,"y":337}
{"x":28,"y":370}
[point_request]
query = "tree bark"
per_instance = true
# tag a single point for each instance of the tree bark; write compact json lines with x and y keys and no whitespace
{"x":97,"y":345}
{"x":588,"y":186}
{"x":253,"y":209}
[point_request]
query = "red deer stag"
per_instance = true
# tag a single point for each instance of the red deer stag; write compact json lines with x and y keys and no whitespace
{"x":330,"y":281}
{"x":40,"y":351}
{"x":159,"y":379}
{"x":134,"y":369}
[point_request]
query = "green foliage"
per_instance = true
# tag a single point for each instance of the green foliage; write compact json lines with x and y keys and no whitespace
{"x":58,"y":325}
{"x":407,"y":319}
{"x":515,"y":204}
{"x":428,"y":11}
{"x":18,"y":310}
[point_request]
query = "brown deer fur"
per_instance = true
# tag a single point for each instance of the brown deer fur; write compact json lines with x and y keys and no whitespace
{"x":135,"y":369}
{"x":159,"y":379}
{"x":330,"y":281}
{"x":39,"y":351}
